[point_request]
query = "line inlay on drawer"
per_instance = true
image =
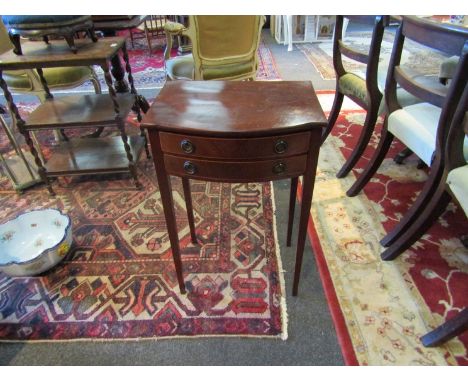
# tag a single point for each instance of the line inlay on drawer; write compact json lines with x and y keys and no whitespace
{"x":245,"y":171}
{"x":265,"y":147}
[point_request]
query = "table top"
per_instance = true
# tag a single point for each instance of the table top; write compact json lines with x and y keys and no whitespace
{"x":235,"y":108}
{"x":57,"y":53}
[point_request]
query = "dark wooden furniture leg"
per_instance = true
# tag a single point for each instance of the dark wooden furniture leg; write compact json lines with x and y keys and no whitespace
{"x":168,"y":205}
{"x":71,"y":42}
{"x":386,"y":139}
{"x":307,"y":192}
{"x":121,"y":126}
{"x":15,"y":40}
{"x":121,"y":86}
{"x":448,"y":330}
{"x":402,"y":155}
{"x":433,"y":210}
{"x":334,"y":113}
{"x":424,"y":198}
{"x":292,"y":206}
{"x":366,"y":134}
{"x":188,"y":204}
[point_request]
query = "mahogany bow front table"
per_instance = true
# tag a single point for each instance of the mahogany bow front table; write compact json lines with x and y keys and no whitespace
{"x":232,"y":131}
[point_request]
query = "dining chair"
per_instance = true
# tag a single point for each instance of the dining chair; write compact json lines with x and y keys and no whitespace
{"x":452,"y":186}
{"x":452,"y":146}
{"x":362,"y":90}
{"x":153,"y":26}
{"x":421,"y":127}
{"x":223,"y":48}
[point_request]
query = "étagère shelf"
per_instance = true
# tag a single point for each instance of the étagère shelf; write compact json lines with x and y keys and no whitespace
{"x":88,"y":155}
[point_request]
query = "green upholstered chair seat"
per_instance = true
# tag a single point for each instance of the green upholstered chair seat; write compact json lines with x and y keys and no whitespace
{"x":55,"y":77}
{"x":352,"y":85}
{"x":180,"y":67}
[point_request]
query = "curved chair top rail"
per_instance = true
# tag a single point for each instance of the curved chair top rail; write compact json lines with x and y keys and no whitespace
{"x":371,"y":58}
{"x":446,"y":38}
{"x":367,"y":19}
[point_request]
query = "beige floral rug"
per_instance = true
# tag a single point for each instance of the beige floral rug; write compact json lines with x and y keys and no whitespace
{"x":380,"y":309}
{"x":414,"y":55}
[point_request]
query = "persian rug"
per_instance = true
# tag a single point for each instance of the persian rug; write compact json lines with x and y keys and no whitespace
{"x":118,"y":280}
{"x":148,"y":71}
{"x":414,"y":55}
{"x":380,"y":309}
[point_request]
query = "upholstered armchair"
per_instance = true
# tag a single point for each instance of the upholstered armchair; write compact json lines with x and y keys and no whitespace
{"x":223,"y":48}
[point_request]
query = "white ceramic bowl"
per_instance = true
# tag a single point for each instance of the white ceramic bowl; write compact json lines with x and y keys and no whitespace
{"x":34,"y":242}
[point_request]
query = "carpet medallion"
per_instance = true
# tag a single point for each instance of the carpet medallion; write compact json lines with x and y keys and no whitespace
{"x":380,"y":309}
{"x":119,"y":282}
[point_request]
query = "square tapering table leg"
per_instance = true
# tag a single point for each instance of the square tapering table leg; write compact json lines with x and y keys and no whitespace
{"x":308,"y":181}
{"x":165,"y":189}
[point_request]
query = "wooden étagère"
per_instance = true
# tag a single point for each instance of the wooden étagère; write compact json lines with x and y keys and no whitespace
{"x":85,"y":155}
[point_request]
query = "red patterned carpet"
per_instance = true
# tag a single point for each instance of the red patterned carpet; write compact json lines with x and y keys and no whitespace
{"x":118,"y":281}
{"x":380,"y":309}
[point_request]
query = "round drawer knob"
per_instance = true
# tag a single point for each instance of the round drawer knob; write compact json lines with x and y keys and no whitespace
{"x":281,"y":146}
{"x":279,"y":168}
{"x":190,"y":168}
{"x":187,"y":146}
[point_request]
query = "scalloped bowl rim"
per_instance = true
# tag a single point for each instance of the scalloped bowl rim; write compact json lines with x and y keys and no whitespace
{"x":52,"y":247}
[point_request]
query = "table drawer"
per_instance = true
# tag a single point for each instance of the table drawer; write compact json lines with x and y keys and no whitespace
{"x":230,"y":171}
{"x":230,"y":148}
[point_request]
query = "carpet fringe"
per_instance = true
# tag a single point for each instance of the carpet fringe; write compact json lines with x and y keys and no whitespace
{"x":284,"y":312}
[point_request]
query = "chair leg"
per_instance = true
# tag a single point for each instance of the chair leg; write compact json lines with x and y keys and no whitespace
{"x":364,"y":138}
{"x":71,"y":43}
{"x":92,"y":35}
{"x":464,"y":240}
{"x":131,"y":38}
{"x":424,"y":221}
{"x":424,"y":197}
{"x":334,"y":113}
{"x":188,"y":204}
{"x":402,"y":155}
{"x":148,"y":38}
{"x":386,"y":139}
{"x":15,"y":40}
{"x":292,"y":206}
{"x":448,"y":330}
